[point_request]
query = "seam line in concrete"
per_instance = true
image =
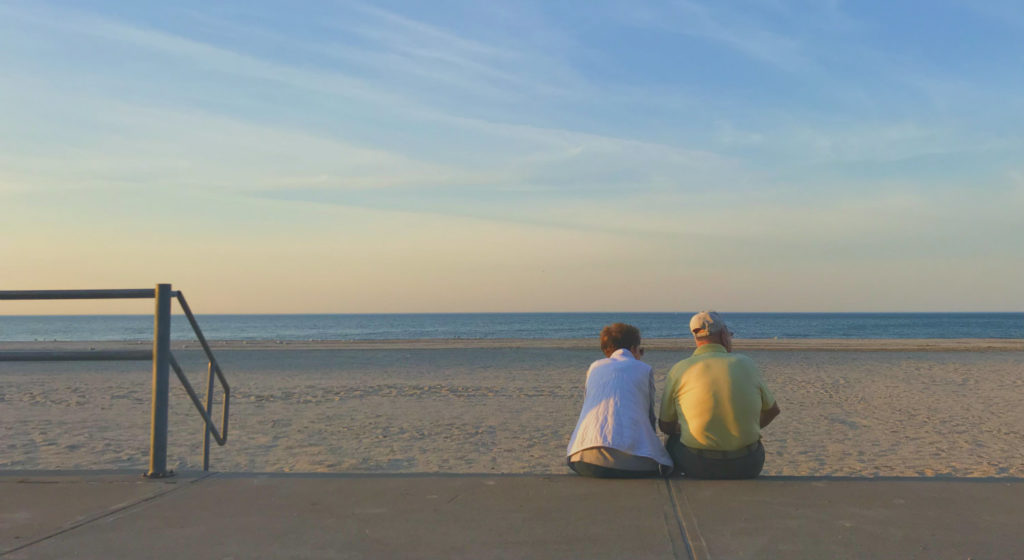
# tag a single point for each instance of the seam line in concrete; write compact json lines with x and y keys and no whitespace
{"x":695,"y":544}
{"x":104,"y":515}
{"x":674,"y":526}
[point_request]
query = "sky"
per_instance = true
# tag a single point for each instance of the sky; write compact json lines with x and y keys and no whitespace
{"x":406,"y":156}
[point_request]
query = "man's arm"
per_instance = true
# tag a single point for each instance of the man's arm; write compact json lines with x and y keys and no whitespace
{"x":768,"y":415}
{"x":650,"y":410}
{"x":670,"y":428}
{"x":668,"y":417}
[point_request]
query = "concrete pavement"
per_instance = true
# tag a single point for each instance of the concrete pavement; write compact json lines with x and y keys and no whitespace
{"x":194,"y":515}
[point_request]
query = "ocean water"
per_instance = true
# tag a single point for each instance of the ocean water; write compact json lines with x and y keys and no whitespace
{"x":512,"y":325}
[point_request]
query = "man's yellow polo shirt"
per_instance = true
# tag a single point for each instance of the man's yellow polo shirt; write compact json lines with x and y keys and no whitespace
{"x":717,"y":397}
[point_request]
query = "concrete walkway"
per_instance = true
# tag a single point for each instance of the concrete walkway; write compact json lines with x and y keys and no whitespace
{"x":120,"y":515}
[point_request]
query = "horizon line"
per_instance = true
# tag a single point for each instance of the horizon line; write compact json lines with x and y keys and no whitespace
{"x":398,"y":313}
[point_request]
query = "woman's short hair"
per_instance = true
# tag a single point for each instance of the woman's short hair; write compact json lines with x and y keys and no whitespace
{"x":619,"y":335}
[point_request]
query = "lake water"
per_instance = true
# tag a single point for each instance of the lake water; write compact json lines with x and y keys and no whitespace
{"x":512,"y":325}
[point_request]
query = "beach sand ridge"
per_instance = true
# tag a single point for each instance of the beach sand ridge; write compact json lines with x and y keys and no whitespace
{"x":862,"y":408}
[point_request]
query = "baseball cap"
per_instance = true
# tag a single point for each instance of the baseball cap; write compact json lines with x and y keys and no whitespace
{"x":707,"y":323}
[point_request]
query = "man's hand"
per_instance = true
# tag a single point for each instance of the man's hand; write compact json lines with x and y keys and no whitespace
{"x":670,"y":428}
{"x":768,"y":415}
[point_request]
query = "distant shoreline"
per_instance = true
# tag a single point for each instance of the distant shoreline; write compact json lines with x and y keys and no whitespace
{"x":670,"y":344}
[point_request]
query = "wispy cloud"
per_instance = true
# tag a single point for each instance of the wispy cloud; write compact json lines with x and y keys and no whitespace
{"x":806,"y":133}
{"x":183,"y":141}
{"x":999,"y":12}
{"x":721,"y":23}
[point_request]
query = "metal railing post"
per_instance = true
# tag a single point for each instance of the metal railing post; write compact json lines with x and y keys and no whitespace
{"x":163,"y":362}
{"x":161,"y":376}
{"x":209,"y":409}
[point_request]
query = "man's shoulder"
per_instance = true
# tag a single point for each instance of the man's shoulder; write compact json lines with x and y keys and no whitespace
{"x":683,"y":365}
{"x":732,"y":358}
{"x":741,"y":357}
{"x":735,"y":359}
{"x":684,"y":362}
{"x":698,"y":357}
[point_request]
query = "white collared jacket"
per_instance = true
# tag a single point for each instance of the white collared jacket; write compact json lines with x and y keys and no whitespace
{"x":618,"y":409}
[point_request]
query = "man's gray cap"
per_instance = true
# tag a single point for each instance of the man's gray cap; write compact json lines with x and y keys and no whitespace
{"x":707,"y":323}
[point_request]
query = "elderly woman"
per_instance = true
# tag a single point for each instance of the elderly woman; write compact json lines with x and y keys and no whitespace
{"x":615,"y":437}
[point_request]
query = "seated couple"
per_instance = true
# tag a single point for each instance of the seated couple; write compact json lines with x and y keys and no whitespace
{"x":713,"y":408}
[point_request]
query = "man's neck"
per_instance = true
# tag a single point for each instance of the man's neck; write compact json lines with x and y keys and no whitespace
{"x":709,"y":341}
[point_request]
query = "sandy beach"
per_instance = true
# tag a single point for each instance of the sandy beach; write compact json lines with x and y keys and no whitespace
{"x":850,"y":407}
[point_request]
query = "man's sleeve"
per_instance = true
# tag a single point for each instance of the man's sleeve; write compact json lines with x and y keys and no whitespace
{"x":650,"y":407}
{"x":668,"y":400}
{"x":767,"y":398}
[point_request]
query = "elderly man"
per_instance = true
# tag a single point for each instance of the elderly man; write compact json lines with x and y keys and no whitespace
{"x":714,"y":406}
{"x":615,"y":436}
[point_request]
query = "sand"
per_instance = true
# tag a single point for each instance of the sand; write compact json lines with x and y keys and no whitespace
{"x":918,"y":408}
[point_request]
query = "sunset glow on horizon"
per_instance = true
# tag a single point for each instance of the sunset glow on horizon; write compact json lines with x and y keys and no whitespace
{"x":350,"y":157}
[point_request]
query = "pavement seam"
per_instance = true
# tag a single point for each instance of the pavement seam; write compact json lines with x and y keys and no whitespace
{"x":674,"y":526}
{"x":695,"y":545}
{"x":104,"y":515}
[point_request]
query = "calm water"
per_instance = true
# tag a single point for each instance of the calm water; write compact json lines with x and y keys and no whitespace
{"x":513,"y":325}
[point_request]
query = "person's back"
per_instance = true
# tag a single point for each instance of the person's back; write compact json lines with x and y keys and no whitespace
{"x":714,"y":406}
{"x":614,"y":436}
{"x":718,"y":398}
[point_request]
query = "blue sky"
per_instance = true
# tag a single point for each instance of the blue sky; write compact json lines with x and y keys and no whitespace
{"x":516,"y":156}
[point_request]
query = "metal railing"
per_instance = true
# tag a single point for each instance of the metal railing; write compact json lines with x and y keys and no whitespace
{"x":163,"y":363}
